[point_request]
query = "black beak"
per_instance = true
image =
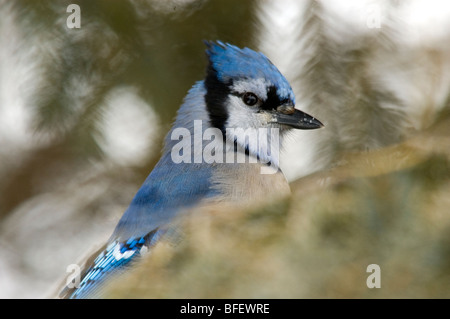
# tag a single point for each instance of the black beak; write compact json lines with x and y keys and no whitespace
{"x":288,"y":115}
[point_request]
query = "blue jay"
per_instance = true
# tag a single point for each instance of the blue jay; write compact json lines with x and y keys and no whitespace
{"x":242,"y":89}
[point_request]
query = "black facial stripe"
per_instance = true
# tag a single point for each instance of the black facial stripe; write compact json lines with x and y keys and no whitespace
{"x":216,"y":95}
{"x":273,"y":100}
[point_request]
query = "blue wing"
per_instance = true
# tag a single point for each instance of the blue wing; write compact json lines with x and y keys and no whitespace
{"x":169,"y":190}
{"x":113,"y":260}
{"x":165,"y":193}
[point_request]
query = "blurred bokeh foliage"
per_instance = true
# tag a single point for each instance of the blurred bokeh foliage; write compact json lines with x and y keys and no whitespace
{"x":83,"y":113}
{"x":387,"y":207}
{"x":120,"y":43}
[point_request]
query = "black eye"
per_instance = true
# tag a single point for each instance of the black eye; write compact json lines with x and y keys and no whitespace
{"x":250,"y":98}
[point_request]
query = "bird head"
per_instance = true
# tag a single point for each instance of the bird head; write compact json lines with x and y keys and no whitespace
{"x":245,"y":90}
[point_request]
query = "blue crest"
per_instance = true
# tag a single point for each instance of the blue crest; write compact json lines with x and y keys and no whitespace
{"x":231,"y":62}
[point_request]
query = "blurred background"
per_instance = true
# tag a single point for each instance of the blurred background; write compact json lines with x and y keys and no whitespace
{"x":83,"y":112}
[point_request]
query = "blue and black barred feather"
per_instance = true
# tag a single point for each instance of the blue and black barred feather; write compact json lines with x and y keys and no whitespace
{"x":112,"y":261}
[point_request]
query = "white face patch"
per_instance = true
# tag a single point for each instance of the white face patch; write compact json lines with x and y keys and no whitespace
{"x":257,"y":86}
{"x":254,"y":129}
{"x":243,"y":116}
